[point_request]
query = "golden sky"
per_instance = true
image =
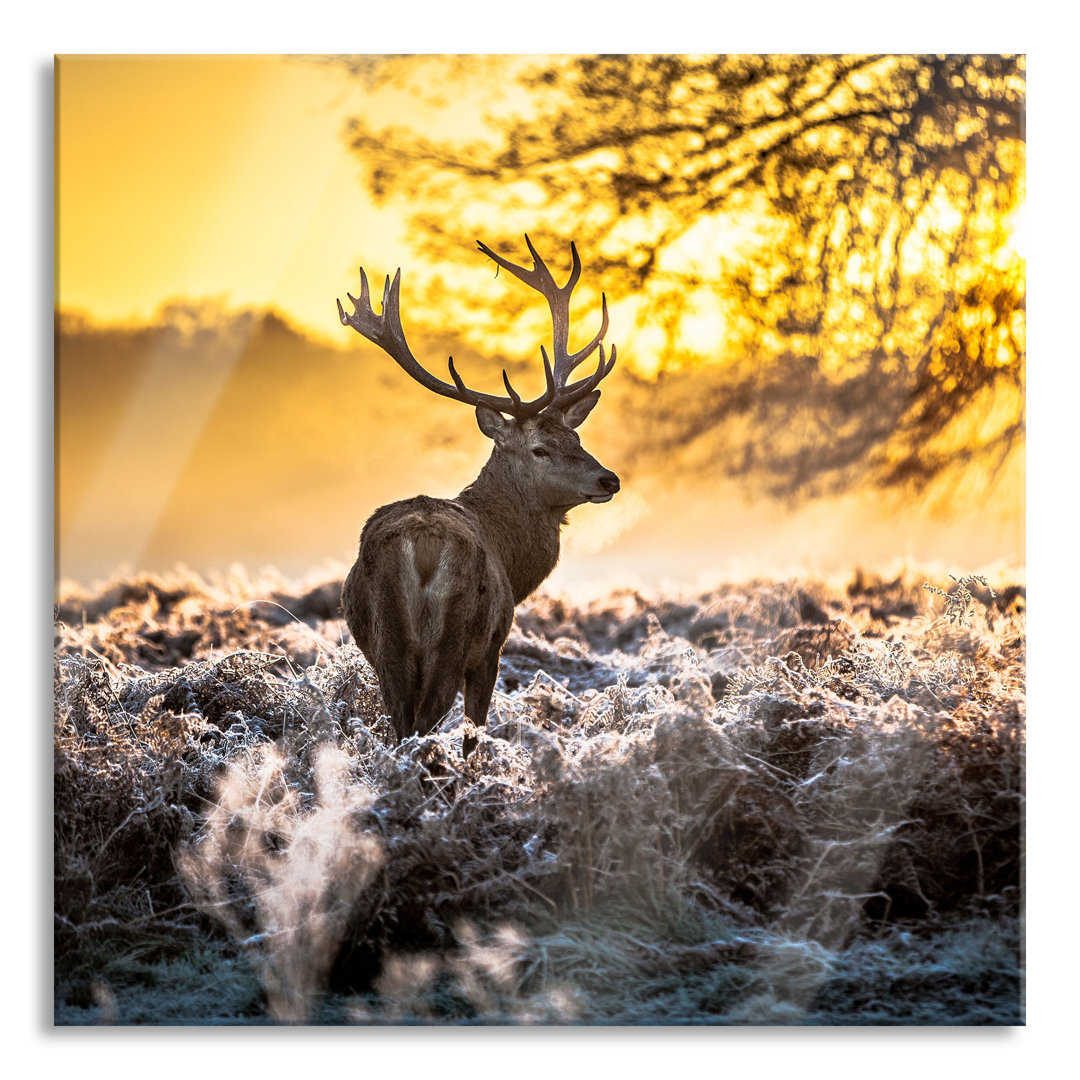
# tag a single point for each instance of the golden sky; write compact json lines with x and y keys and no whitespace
{"x":209,"y":176}
{"x":229,"y":178}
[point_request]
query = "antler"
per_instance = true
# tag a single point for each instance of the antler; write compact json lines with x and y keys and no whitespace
{"x":558,"y":298}
{"x":385,"y":331}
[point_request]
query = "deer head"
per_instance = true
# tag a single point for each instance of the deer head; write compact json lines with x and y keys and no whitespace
{"x":537,"y":435}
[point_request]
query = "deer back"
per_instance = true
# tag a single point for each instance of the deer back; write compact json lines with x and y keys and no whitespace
{"x":425,"y":574}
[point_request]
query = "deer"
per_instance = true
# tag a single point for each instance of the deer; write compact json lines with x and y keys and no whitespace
{"x":430,"y":599}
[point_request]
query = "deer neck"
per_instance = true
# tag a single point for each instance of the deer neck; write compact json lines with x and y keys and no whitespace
{"x":519,"y":531}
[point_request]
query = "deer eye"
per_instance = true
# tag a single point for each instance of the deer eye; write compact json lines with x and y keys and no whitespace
{"x":539,"y":451}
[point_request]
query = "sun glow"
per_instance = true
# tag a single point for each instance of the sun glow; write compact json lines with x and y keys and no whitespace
{"x":208,"y":176}
{"x":196,"y":194}
{"x":1017,"y":230}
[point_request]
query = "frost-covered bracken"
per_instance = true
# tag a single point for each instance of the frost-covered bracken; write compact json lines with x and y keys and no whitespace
{"x":776,"y":802}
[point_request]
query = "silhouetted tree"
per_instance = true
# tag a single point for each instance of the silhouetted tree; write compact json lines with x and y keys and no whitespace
{"x":871,"y":325}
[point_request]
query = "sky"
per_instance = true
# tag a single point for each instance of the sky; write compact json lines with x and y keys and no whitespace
{"x":209,"y":177}
{"x":228,"y":181}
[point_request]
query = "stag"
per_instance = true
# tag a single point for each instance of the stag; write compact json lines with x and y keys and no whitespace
{"x":431,"y":597}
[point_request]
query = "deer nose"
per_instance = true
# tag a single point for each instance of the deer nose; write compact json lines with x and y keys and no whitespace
{"x":609,"y":482}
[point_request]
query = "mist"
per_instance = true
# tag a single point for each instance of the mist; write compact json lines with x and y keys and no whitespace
{"x":210,"y":437}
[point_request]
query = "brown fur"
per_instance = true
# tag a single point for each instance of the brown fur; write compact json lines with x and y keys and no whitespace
{"x":426,"y":552}
{"x":431,"y":597}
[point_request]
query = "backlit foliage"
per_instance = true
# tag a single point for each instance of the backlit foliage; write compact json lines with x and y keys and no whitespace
{"x":838,"y":235}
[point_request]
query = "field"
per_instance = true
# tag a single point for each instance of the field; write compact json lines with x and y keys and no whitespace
{"x":777,"y":802}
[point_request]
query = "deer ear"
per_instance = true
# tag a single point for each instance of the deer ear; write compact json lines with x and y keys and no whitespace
{"x":577,"y":412}
{"x":492,"y":423}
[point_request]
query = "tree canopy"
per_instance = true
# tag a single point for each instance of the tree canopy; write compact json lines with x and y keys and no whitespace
{"x":823,"y":249}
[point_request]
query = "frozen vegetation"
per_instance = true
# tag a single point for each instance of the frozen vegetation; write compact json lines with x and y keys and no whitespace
{"x":772,"y":803}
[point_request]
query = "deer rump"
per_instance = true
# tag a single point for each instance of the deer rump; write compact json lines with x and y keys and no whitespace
{"x":430,"y":609}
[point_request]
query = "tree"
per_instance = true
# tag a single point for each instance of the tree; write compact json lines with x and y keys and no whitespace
{"x":870,"y":323}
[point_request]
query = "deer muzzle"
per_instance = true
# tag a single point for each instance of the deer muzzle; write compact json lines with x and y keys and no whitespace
{"x":608,"y":482}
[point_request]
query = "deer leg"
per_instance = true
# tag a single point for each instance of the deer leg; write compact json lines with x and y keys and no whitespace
{"x":398,"y":688}
{"x":440,"y":665}
{"x":436,"y":702}
{"x":479,"y":686}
